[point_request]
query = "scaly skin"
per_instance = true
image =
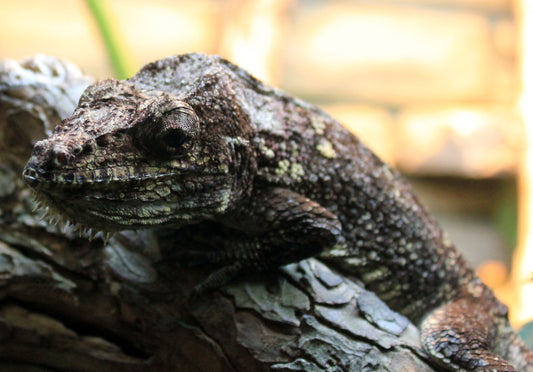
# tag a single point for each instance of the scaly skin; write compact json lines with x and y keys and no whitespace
{"x":193,"y":142}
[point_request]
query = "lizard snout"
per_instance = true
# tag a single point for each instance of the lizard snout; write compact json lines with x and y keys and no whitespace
{"x":30,"y":176}
{"x":45,"y":158}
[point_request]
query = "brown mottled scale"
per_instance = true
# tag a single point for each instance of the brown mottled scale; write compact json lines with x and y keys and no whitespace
{"x":194,"y":142}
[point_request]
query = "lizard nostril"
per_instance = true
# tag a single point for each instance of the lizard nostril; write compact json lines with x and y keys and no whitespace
{"x":61,"y":158}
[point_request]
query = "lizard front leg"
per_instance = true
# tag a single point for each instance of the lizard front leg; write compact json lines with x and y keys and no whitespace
{"x":275,"y":227}
{"x":460,"y":336}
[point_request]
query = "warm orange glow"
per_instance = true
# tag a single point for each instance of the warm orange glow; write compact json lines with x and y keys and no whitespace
{"x":251,"y":35}
{"x":493,"y":273}
{"x":392,"y":54}
{"x":523,"y":260}
{"x":468,"y":139}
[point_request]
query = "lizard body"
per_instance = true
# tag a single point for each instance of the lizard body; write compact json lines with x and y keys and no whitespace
{"x":194,"y":142}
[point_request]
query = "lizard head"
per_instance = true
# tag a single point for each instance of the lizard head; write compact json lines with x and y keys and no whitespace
{"x":132,"y":156}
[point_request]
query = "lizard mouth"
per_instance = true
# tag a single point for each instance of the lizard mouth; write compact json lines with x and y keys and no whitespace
{"x":127,"y":203}
{"x":93,"y":215}
{"x":57,"y":216}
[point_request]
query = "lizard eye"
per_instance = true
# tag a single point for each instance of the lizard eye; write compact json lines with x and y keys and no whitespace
{"x":174,"y":138}
{"x":176,"y":127}
{"x":169,"y":126}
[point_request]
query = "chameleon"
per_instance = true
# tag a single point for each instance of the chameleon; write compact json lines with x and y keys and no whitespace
{"x":193,"y":143}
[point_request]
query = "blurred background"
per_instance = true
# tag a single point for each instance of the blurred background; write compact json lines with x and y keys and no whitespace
{"x":435,"y":87}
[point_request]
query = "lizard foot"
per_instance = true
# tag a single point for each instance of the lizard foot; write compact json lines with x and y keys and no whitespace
{"x":460,"y":336}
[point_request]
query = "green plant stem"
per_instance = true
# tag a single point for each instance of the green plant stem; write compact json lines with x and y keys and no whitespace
{"x":114,"y":46}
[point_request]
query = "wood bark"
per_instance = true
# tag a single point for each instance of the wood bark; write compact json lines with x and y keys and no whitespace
{"x":70,"y":303}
